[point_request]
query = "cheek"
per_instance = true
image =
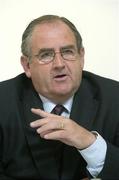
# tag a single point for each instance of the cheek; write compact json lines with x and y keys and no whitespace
{"x":40,"y":79}
{"x":38,"y":72}
{"x":76,"y":71}
{"x":77,"y":75}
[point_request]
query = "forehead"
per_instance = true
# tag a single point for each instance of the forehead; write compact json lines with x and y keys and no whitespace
{"x":52,"y":34}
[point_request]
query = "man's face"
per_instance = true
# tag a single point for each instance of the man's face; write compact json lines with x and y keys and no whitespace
{"x":58,"y":79}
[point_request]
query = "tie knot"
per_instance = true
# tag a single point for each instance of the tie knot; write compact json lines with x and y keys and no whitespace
{"x":58,"y":109}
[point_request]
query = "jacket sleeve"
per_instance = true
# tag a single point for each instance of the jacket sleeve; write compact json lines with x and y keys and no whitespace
{"x":111,"y":165}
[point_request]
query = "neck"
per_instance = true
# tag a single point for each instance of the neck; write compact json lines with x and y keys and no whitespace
{"x":55,"y":100}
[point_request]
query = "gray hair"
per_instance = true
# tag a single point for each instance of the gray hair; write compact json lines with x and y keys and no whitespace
{"x":26,"y":37}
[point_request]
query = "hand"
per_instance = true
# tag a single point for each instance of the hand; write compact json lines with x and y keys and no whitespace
{"x":55,"y":127}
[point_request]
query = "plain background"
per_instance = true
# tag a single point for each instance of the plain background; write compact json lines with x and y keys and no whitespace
{"x":96,"y":20}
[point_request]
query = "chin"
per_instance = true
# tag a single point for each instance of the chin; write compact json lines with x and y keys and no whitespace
{"x":63,"y":92}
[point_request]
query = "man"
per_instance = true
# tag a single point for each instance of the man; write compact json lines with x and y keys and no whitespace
{"x":80,"y":142}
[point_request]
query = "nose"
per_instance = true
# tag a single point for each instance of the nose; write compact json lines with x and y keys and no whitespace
{"x":58,"y":60}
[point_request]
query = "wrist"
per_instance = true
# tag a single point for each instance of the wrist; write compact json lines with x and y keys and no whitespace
{"x":91,"y":138}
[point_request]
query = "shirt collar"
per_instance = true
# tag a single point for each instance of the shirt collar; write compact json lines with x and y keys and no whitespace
{"x":49,"y":105}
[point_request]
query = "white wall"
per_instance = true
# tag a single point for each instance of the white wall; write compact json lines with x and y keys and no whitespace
{"x":97,"y":21}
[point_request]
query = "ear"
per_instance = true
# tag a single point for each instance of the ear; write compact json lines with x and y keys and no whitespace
{"x":25,"y":65}
{"x":81,"y":54}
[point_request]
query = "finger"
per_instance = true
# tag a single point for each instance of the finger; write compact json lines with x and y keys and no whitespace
{"x":54,"y":135}
{"x":46,"y":117}
{"x":50,"y":125}
{"x":45,"y":132}
{"x":42,"y":122}
{"x":49,"y":121}
{"x":38,"y":123}
{"x":39,"y":112}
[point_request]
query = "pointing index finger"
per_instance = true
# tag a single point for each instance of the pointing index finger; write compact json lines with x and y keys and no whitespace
{"x":39,"y":112}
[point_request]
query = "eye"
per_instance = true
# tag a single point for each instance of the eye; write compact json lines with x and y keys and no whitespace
{"x":68,"y":52}
{"x":45,"y":55}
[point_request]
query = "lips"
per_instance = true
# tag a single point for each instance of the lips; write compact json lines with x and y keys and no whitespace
{"x":60,"y":77}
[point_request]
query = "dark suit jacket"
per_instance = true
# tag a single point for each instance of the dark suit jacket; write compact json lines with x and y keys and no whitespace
{"x":24,"y":155}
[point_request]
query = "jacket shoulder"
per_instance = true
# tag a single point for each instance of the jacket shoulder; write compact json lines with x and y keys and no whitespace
{"x":105,"y":87}
{"x":6,"y":85}
{"x":11,"y":89}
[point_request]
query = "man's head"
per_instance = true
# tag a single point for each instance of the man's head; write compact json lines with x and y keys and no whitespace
{"x":53,"y":57}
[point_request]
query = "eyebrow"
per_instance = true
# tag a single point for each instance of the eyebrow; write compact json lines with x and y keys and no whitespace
{"x":45,"y":49}
{"x":68,"y":47}
{"x":52,"y":49}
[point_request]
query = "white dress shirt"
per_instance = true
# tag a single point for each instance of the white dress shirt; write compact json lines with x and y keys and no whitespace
{"x":95,"y":154}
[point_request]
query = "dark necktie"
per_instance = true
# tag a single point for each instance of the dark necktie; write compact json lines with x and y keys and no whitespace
{"x":58,"y":109}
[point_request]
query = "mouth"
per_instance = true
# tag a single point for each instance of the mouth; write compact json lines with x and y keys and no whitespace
{"x":60,"y":77}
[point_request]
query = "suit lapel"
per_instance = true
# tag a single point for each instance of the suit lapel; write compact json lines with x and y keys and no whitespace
{"x":41,"y":150}
{"x":85,"y":105}
{"x":83,"y":112}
